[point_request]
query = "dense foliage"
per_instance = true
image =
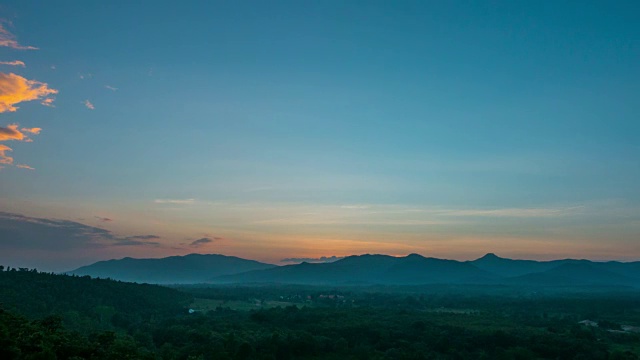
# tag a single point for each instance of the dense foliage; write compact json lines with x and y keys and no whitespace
{"x":48,"y":339}
{"x":271,"y":322}
{"x":87,"y":304}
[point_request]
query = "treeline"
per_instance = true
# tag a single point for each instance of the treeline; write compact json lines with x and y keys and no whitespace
{"x":308,"y":333}
{"x":613,"y":305}
{"x":87,"y":304}
{"x":368,"y":333}
{"x":47,"y":316}
{"x":21,"y":338}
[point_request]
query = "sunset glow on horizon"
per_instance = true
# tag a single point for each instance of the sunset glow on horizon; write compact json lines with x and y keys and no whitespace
{"x":287,"y":131}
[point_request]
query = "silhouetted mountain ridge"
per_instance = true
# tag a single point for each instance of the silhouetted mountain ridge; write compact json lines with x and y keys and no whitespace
{"x":575,"y":273}
{"x":188,"y":269}
{"x":415,"y":269}
{"x":366,"y":269}
{"x":372,"y":269}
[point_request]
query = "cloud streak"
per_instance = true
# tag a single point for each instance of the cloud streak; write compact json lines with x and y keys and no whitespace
{"x":34,"y":131}
{"x":7,"y":39}
{"x":355,"y":207}
{"x":175,"y":201}
{"x":515,"y":212}
{"x":13,"y":133}
{"x":4,"y":158}
{"x":138,"y":240}
{"x":23,"y":232}
{"x":201,"y":242}
{"x":144,"y":237}
{"x":13,"y":63}
{"x":48,"y":102}
{"x":15,"y":89}
{"x":399,"y":215}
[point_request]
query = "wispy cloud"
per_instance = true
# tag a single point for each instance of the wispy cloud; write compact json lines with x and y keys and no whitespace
{"x":144,"y":237}
{"x":175,"y":201}
{"x":45,"y":234}
{"x":138,"y":240}
{"x":126,"y":242}
{"x":7,"y":39}
{"x":103,"y":219}
{"x":201,"y":242}
{"x":355,"y":206}
{"x":399,"y":215}
{"x":11,"y":132}
{"x":111,"y":88}
{"x":13,"y":63}
{"x":336,"y":220}
{"x":34,"y":130}
{"x":515,"y":212}
{"x":4,"y":158}
{"x":15,"y":89}
{"x":89,"y":105}
{"x":48,"y":102}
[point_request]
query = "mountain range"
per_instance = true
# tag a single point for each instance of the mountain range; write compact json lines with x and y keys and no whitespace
{"x":188,"y":269}
{"x":368,"y":269}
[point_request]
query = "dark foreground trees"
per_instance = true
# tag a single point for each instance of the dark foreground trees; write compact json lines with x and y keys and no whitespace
{"x":47,"y":316}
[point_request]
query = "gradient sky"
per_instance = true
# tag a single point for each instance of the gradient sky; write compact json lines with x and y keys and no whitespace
{"x":281,"y":129}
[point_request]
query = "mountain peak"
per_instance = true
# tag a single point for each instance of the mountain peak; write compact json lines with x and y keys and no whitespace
{"x":490,"y":256}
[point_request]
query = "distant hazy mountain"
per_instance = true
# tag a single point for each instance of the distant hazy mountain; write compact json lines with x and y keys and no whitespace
{"x":569,"y":271}
{"x":507,"y":267}
{"x":577,"y":273}
{"x":368,"y":269}
{"x":189,"y":269}
{"x":417,"y":270}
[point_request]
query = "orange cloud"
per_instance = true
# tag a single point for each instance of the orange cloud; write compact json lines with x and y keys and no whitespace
{"x":7,"y":39}
{"x":89,"y":105}
{"x":48,"y":102}
{"x":15,"y":89}
{"x":4,"y":158}
{"x":13,"y":63}
{"x":11,"y":132}
{"x":34,"y":131}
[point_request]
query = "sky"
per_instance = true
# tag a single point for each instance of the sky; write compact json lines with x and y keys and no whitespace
{"x":279,"y":130}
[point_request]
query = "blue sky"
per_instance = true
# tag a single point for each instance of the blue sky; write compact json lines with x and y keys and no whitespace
{"x":297,"y":129}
